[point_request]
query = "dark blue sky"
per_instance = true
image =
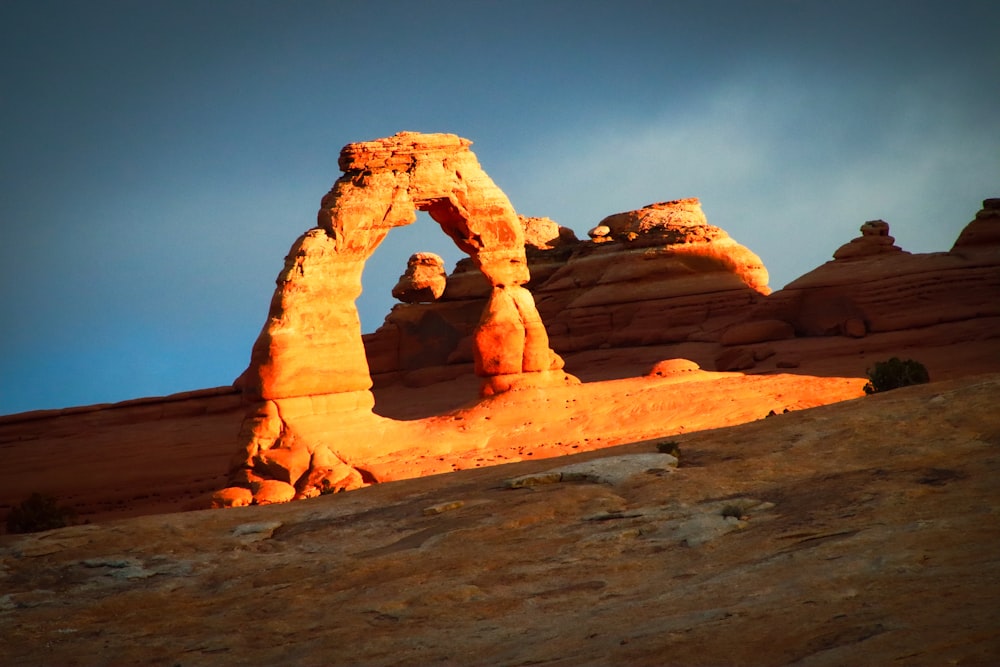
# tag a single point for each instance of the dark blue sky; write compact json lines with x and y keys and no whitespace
{"x":157,"y":159}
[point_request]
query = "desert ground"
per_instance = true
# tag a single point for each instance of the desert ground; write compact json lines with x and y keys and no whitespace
{"x":860,"y":532}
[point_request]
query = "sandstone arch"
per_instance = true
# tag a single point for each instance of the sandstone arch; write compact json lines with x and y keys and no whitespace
{"x":308,"y":363}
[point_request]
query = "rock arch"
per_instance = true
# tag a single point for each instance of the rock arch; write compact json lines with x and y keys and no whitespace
{"x":308,"y":363}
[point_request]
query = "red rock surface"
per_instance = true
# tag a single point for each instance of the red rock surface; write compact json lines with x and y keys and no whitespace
{"x":424,"y":280}
{"x":858,"y":533}
{"x":849,"y":511}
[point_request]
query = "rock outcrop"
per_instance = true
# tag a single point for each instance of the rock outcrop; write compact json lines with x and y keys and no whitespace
{"x":660,"y":274}
{"x":872,"y":286}
{"x":308,"y":367}
{"x":874,"y":240}
{"x":983,"y":233}
{"x":424,"y":280}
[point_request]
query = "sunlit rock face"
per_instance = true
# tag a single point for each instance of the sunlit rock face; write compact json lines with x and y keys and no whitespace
{"x":423,"y":281}
{"x":659,"y":274}
{"x":308,"y":371}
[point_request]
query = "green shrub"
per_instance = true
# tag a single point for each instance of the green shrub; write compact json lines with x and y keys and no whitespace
{"x":37,"y":513}
{"x":893,"y":374}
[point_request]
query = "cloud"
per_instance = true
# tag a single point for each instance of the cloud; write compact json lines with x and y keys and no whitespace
{"x":790,"y":168}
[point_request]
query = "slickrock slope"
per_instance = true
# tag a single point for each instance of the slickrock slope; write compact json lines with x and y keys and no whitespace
{"x":864,"y":532}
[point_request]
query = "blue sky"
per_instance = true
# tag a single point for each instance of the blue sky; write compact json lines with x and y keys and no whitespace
{"x":157,"y":159}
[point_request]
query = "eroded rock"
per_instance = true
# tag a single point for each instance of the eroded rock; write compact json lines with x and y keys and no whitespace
{"x":309,"y":363}
{"x":424,"y":280}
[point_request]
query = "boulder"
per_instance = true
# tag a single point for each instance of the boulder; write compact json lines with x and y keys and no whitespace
{"x":231,"y":496}
{"x":424,"y":280}
{"x":269,"y":491}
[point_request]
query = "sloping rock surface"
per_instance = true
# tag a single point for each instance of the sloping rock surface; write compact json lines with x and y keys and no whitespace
{"x":859,"y":533}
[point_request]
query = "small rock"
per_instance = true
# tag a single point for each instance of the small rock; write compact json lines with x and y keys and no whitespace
{"x":669,"y":367}
{"x":271,"y":491}
{"x":261,"y":530}
{"x":608,"y":470}
{"x":443,"y":507}
{"x":231,"y":496}
{"x":855,"y":327}
{"x":533,"y":479}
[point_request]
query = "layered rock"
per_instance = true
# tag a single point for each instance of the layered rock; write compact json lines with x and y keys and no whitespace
{"x":983,"y":232}
{"x":660,"y":274}
{"x":308,"y":367}
{"x":874,"y":240}
{"x":872,"y":286}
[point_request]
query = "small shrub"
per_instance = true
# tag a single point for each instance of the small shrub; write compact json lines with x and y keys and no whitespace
{"x":894,"y":373}
{"x":671,"y":447}
{"x":37,"y":513}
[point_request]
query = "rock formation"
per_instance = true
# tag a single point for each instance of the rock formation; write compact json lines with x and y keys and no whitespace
{"x":874,"y":240}
{"x":424,"y":280}
{"x":872,"y":286}
{"x":308,"y":367}
{"x":657,"y":276}
{"x":983,"y":233}
{"x":660,"y":274}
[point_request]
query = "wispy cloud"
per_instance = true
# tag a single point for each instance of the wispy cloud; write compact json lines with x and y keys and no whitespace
{"x":790,"y":168}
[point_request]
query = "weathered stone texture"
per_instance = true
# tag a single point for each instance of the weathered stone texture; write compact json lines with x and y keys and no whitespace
{"x":309,"y":363}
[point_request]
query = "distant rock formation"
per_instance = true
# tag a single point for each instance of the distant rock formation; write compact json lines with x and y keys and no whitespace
{"x":983,"y":233}
{"x":663,"y":275}
{"x":308,"y":366}
{"x":872,"y":286}
{"x":874,"y":240}
{"x":660,"y":274}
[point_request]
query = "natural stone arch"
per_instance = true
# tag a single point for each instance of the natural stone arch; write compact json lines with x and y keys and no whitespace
{"x":308,"y":363}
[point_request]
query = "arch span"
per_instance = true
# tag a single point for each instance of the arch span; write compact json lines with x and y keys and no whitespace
{"x":308,"y":363}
